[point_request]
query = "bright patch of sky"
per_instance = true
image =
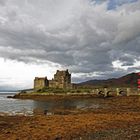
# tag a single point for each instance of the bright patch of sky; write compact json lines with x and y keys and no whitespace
{"x":18,"y":75}
{"x":112,"y":4}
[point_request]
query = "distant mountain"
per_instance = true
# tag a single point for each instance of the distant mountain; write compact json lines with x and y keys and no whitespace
{"x":129,"y":80}
{"x":8,"y":90}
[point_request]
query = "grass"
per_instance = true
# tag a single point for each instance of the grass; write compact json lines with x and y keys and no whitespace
{"x":47,"y":91}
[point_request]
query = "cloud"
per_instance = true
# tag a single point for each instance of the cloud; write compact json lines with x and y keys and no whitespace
{"x":82,"y":36}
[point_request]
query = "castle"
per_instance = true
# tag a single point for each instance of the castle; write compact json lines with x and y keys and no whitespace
{"x":62,"y":79}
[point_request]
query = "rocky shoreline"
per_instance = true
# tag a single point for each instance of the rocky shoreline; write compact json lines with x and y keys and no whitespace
{"x":87,"y":126}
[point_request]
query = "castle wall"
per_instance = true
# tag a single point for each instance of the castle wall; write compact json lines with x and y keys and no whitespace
{"x":51,"y":84}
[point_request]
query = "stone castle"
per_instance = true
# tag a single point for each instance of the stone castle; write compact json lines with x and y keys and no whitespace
{"x":62,"y":80}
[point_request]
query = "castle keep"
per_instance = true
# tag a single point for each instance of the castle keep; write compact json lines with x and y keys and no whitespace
{"x":62,"y":79}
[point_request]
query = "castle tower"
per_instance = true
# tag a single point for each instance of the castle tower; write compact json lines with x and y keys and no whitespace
{"x":62,"y":79}
{"x":40,"y":82}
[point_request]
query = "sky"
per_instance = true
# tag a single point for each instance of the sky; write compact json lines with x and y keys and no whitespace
{"x":94,"y":39}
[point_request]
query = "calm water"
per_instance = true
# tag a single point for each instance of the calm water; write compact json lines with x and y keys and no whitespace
{"x":14,"y":106}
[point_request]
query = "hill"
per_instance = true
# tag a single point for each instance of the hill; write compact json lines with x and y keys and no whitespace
{"x":129,"y":80}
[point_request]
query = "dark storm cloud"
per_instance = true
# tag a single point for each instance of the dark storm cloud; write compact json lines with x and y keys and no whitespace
{"x":3,"y":2}
{"x":83,"y":37}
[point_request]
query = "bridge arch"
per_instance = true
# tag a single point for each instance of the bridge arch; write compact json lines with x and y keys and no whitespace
{"x":122,"y":92}
{"x":101,"y":92}
{"x":108,"y":93}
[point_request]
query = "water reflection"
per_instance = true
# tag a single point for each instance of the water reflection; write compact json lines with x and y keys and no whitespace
{"x":28,"y":106}
{"x":64,"y":105}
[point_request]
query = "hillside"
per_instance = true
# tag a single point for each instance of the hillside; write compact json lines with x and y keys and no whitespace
{"x":125,"y":81}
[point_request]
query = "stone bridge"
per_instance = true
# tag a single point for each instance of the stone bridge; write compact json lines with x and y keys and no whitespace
{"x":115,"y":91}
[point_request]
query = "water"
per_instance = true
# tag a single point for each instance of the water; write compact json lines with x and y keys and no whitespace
{"x":18,"y":106}
{"x":13,"y":106}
